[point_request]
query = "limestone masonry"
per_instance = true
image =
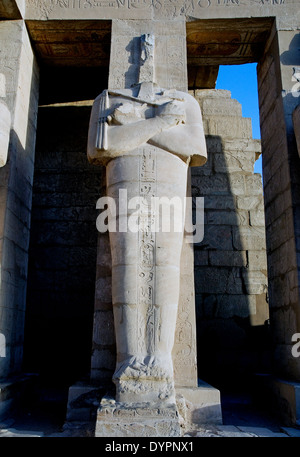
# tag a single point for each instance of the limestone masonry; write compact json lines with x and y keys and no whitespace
{"x":146,"y":329}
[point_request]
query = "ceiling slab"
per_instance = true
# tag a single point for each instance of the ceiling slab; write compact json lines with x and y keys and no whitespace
{"x":9,"y":10}
{"x":71,"y":43}
{"x":209,"y":42}
{"x":226,"y":42}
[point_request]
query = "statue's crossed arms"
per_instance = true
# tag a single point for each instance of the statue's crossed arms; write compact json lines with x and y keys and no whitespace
{"x":121,"y":121}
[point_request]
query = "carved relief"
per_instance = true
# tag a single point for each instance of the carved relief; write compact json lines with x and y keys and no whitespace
{"x":149,"y":132}
{"x":146,"y":243}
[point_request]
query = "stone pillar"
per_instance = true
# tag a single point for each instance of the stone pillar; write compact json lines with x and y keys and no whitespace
{"x":19,"y":91}
{"x":278,"y":97}
{"x":169,"y":71}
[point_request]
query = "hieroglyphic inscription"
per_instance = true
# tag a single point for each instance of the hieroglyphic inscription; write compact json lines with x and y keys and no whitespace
{"x":175,"y":8}
{"x":142,"y":9}
{"x":183,"y":6}
{"x":87,"y":4}
{"x":184,"y":350}
{"x":183,"y":338}
{"x":170,"y":55}
{"x":88,"y":9}
{"x":147,"y":313}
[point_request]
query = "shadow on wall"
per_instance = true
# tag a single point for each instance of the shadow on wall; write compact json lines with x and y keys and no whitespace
{"x":230,"y":263}
{"x":15,"y":212}
{"x":63,"y":243}
{"x":63,"y":247}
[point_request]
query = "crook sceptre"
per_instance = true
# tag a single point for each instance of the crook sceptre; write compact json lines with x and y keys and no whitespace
{"x":101,"y":141}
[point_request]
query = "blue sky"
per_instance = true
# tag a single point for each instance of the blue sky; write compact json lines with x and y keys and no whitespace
{"x":241,"y":80}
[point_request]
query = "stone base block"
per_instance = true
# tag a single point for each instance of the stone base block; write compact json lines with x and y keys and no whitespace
{"x":13,"y":391}
{"x":199,"y":405}
{"x":116,"y":419}
{"x":194,"y":406}
{"x":83,"y":401}
{"x":287,"y":397}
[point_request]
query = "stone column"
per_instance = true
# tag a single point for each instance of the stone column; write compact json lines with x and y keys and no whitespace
{"x":171,"y":72}
{"x":168,"y":71}
{"x":19,"y":92}
{"x":278,"y":98}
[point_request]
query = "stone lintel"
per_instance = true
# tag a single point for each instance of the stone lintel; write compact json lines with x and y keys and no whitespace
{"x":284,"y":10}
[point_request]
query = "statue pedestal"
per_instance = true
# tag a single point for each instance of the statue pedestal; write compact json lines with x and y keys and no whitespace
{"x":194,"y":407}
{"x":118,"y":419}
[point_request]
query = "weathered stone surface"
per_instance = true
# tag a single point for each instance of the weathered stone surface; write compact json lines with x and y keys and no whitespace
{"x":228,"y":258}
{"x":231,"y":126}
{"x":170,"y":53}
{"x":257,"y":260}
{"x":142,"y":420}
{"x":218,"y":107}
{"x":257,"y":218}
{"x":218,"y":237}
{"x":232,"y":162}
{"x":246,"y":238}
{"x":19,"y":90}
{"x":227,"y":218}
{"x":250,"y":202}
{"x":144,"y":9}
{"x":199,"y":405}
{"x":234,"y":41}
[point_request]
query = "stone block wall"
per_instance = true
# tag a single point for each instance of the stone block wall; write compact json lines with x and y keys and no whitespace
{"x":62,"y":255}
{"x":230,"y":263}
{"x":19,"y":90}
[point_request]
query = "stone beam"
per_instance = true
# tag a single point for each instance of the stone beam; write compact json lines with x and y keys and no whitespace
{"x":71,"y":43}
{"x":286,"y":11}
{"x":209,"y":43}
